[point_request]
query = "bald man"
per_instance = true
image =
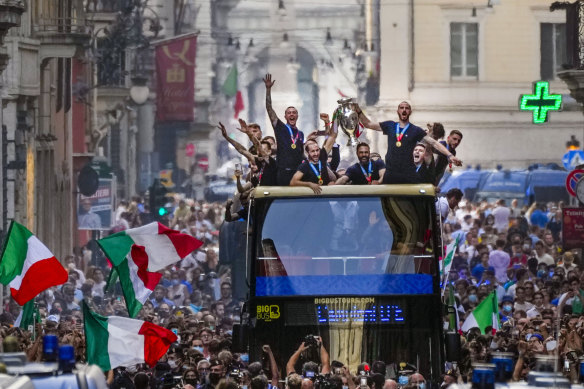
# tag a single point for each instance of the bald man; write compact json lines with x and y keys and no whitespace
{"x":418,"y":380}
{"x":390,"y":384}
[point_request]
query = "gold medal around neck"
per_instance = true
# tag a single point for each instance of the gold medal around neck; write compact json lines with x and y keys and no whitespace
{"x":320,"y":182}
{"x":398,"y":143}
{"x":293,"y":145}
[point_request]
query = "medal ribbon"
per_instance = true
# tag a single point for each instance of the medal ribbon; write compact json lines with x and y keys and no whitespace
{"x":261,"y":174}
{"x":317,"y":173}
{"x":293,"y":138}
{"x":367,"y":176}
{"x":399,"y":135}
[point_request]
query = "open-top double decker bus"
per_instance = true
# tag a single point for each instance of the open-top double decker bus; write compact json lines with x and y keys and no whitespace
{"x":355,"y":265}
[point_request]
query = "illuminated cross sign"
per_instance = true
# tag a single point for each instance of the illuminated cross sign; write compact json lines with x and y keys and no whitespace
{"x":540,"y":102}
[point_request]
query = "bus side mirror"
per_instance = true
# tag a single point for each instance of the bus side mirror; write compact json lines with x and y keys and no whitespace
{"x":453,"y":346}
{"x":240,"y":342}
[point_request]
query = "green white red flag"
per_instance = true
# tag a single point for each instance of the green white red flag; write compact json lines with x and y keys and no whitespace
{"x":119,"y":341}
{"x":450,"y":251}
{"x":28,"y":266}
{"x":486,"y":314}
{"x":138,"y":254}
{"x":28,"y":317}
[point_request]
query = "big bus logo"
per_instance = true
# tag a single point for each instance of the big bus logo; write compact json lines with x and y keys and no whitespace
{"x":268,"y":312}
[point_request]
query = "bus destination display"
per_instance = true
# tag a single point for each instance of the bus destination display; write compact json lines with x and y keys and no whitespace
{"x":373,"y":314}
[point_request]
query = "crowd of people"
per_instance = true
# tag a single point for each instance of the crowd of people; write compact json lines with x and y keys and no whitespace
{"x":513,"y":250}
{"x":516,"y":251}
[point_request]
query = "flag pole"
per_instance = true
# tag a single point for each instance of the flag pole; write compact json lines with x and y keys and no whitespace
{"x":444,"y":276}
{"x":34,"y":319}
{"x":6,"y":236}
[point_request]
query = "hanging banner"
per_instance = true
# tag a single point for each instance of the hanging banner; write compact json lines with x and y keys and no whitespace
{"x":96,"y":211}
{"x":175,"y":76}
{"x":573,"y":228}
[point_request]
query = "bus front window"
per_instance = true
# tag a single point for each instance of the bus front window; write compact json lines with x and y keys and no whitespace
{"x":345,"y":237}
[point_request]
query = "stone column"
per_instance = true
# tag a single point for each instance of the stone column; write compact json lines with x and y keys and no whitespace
{"x":10,"y":13}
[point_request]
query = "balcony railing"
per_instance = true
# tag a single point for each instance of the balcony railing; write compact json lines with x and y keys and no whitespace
{"x":574,"y":32}
{"x":105,"y":6}
{"x":65,"y":16}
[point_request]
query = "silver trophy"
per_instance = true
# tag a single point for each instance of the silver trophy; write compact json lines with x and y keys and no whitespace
{"x":347,"y":119}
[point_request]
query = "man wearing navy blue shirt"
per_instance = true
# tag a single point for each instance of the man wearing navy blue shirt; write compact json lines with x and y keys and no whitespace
{"x":364,"y":172}
{"x":402,"y":137}
{"x":424,"y":173}
{"x":313,"y":172}
{"x":289,"y":139}
{"x":451,"y":144}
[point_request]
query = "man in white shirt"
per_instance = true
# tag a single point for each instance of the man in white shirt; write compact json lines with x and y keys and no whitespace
{"x":499,"y":260}
{"x":538,"y":306}
{"x":520,"y":303}
{"x":567,"y":262}
{"x":450,"y":202}
{"x":541,"y":255}
{"x":501,"y":214}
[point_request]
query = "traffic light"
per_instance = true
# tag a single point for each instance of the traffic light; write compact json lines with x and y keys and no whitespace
{"x":158,"y":200}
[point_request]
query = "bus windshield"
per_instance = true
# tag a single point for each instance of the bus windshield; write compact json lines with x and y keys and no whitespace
{"x":348,"y":245}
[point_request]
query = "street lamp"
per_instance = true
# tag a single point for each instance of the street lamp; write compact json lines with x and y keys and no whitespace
{"x":139,"y":92}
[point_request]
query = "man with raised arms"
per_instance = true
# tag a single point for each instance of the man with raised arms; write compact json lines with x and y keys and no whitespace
{"x":402,"y":137}
{"x":289,"y":139}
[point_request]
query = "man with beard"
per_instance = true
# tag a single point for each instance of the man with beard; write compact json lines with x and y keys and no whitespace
{"x":160,"y":297}
{"x":402,"y":138}
{"x":289,"y":139}
{"x":313,"y":173}
{"x":216,"y":373}
{"x":451,"y":144}
{"x":364,"y":172}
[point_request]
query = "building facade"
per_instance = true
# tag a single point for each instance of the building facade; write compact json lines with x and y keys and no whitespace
{"x":44,"y":123}
{"x":465,"y":64}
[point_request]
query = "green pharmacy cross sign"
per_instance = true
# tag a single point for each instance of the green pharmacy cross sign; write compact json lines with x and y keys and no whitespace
{"x":540,"y":102}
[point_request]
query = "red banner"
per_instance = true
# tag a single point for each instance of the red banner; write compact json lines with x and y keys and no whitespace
{"x":573,"y":228}
{"x":175,"y":76}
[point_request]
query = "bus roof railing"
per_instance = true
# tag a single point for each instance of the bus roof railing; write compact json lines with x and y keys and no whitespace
{"x":346,"y":190}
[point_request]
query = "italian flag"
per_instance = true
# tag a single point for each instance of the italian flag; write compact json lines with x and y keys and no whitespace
{"x":486,"y":314}
{"x":28,"y":266}
{"x":118,"y":341}
{"x":139,"y":253}
{"x":450,"y":250}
